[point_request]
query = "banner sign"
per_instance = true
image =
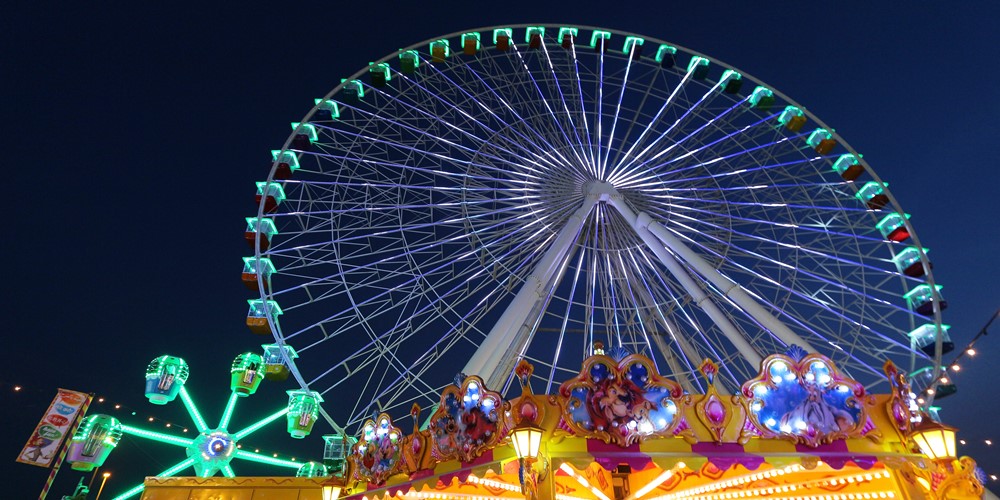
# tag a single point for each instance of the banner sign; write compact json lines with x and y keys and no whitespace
{"x":52,"y":430}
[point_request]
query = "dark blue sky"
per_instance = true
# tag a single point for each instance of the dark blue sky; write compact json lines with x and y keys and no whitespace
{"x":134,"y":136}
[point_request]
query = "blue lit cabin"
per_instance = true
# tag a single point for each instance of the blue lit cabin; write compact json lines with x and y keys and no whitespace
{"x":287,"y":162}
{"x":567,"y":37}
{"x":257,"y":315}
{"x":501,"y":38}
{"x":379,"y":74}
{"x":893,"y":227}
{"x":761,"y":98}
{"x":599,"y":40}
{"x":792,"y":118}
{"x":633,"y":46}
{"x":165,"y":376}
{"x":352,"y":92}
{"x":246,"y":374}
{"x":666,"y":56}
{"x":265,"y":227}
{"x":275,"y":367}
{"x":251,"y":265}
{"x":336,"y":448}
{"x":872,"y":194}
{"x":822,"y":141}
{"x":533,"y":36}
{"x":921,"y":299}
{"x":271,"y":194}
{"x":471,"y":43}
{"x":731,"y":82}
{"x":409,"y":61}
{"x":440,"y":50}
{"x":849,"y":167}
{"x":925,"y":339}
{"x":326,"y":110}
{"x":908,"y":262}
{"x":304,"y":136}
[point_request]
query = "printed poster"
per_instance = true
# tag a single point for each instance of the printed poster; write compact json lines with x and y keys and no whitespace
{"x":44,"y":443}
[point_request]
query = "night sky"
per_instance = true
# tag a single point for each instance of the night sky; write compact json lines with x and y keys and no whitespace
{"x":134,"y":137}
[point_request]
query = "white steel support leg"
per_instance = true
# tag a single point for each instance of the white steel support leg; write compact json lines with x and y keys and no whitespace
{"x":690,"y":286}
{"x":644,"y":223}
{"x":497,"y":354}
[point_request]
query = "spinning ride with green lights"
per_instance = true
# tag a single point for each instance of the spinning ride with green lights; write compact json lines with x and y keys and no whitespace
{"x":212,"y":450}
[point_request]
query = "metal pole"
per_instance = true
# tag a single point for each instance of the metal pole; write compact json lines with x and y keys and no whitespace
{"x":65,"y":447}
{"x":99,"y":490}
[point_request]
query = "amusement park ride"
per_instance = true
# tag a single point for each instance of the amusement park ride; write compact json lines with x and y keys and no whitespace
{"x":717,"y":304}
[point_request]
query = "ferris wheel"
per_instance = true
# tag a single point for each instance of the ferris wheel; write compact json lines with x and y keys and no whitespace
{"x":523,"y":192}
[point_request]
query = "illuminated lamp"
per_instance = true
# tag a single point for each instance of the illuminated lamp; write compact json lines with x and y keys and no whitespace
{"x":934,"y":439}
{"x":526,"y":439}
{"x":331,"y":492}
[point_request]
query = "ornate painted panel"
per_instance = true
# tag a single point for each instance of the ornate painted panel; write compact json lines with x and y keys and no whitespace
{"x":620,"y":402}
{"x":467,"y":422}
{"x":805,"y":398}
{"x":377,"y":455}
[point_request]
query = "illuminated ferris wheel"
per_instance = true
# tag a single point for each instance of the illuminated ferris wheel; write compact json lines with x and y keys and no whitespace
{"x":527,"y":191}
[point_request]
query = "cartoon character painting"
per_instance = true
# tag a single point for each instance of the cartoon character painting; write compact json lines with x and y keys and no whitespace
{"x":467,"y":421}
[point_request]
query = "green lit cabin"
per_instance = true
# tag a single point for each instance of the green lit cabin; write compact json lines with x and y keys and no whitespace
{"x":599,"y":40}
{"x":246,"y":374}
{"x":275,"y":367}
{"x":257,"y":315}
{"x":761,"y":98}
{"x":533,"y":36}
{"x":633,"y":46}
{"x":271,"y":194}
{"x":288,"y":163}
{"x":379,"y":74}
{"x":822,"y":141}
{"x":304,"y":136}
{"x":440,"y":50}
{"x":326,"y":110}
{"x":924,"y":338}
{"x":352,"y":92}
{"x":908,"y":262}
{"x":849,"y":167}
{"x":872,"y":194}
{"x":893,"y":227}
{"x":97,"y":436}
{"x":409,"y":61}
{"x":253,"y":265}
{"x":731,"y":82}
{"x":698,"y":67}
{"x":471,"y":43}
{"x":502,"y":37}
{"x":265,"y":227}
{"x":567,"y":37}
{"x":792,"y":118}
{"x":336,"y":447}
{"x":303,"y":411}
{"x":921,"y":299}
{"x":165,"y":376}
{"x":666,"y":56}
{"x":312,"y":469}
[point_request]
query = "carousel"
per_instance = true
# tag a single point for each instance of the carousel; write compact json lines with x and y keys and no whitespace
{"x":619,"y":430}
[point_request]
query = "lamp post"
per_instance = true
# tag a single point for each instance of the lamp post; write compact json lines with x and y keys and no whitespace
{"x":526,"y":437}
{"x":331,"y":492}
{"x":937,"y":441}
{"x":105,"y":477}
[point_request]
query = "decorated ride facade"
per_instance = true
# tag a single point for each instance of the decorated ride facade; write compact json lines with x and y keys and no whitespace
{"x":620,"y":430}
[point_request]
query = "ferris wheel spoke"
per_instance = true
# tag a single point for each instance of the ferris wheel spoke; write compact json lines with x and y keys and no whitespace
{"x":410,"y":281}
{"x":549,"y":150}
{"x":618,"y":107}
{"x":493,"y":133}
{"x":688,"y":112}
{"x":580,"y":163}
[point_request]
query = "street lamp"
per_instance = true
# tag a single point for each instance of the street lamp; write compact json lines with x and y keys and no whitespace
{"x":934,"y":439}
{"x":105,"y":477}
{"x":526,"y":438}
{"x":331,"y":492}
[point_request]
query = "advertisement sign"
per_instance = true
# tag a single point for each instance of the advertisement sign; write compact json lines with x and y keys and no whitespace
{"x":51,"y":431}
